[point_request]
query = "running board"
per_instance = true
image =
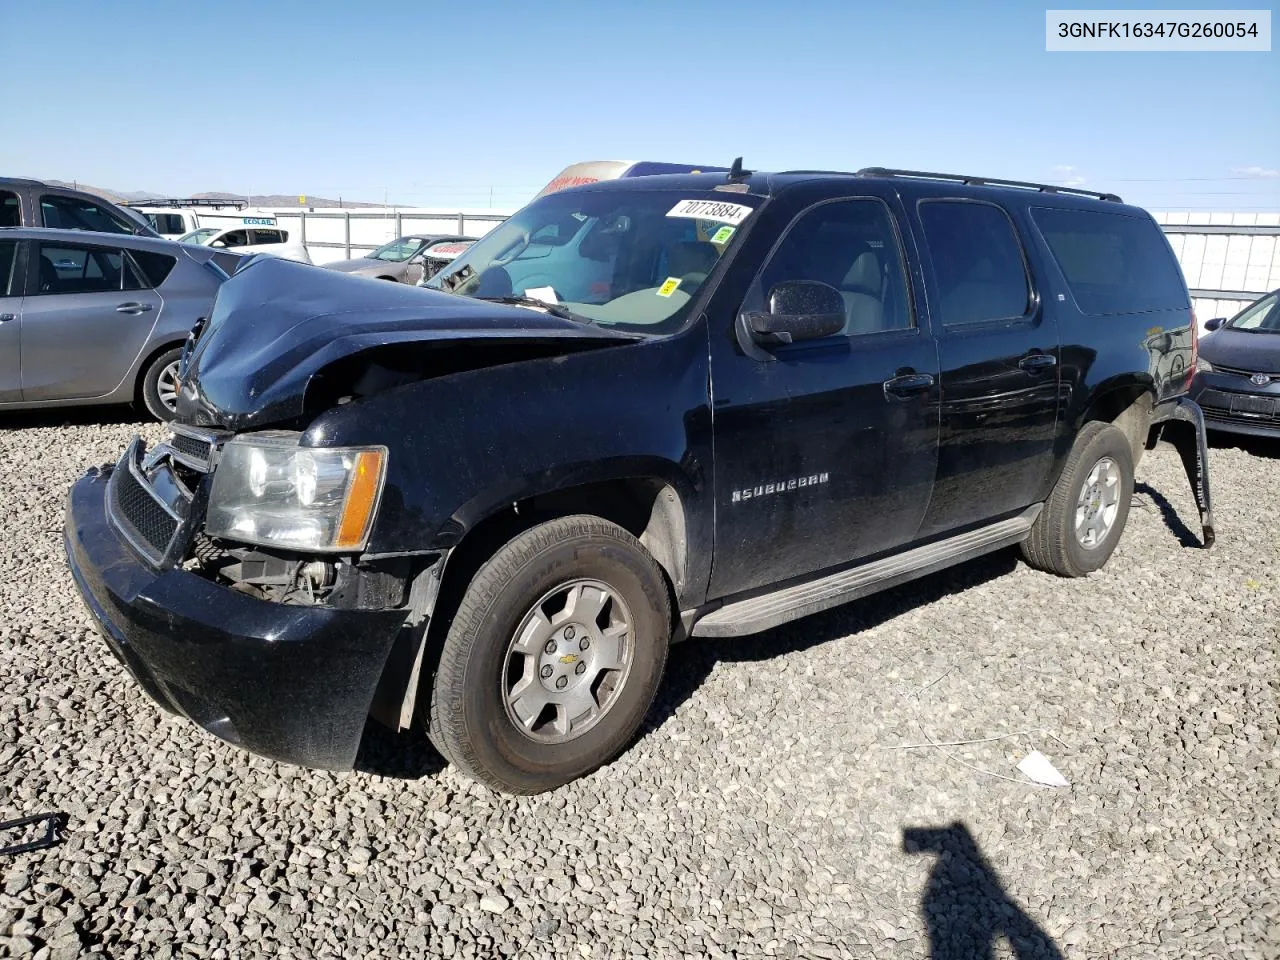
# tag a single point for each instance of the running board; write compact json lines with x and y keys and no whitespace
{"x":771,"y":609}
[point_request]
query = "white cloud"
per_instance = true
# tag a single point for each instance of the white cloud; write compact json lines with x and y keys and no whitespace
{"x":1261,"y":173}
{"x":1068,"y":176}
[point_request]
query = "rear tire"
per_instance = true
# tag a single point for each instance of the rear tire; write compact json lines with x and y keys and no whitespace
{"x":1082,"y":521}
{"x":552,"y":658}
{"x":160,"y":385}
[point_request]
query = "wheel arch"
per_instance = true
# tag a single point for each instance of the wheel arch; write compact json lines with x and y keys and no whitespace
{"x":148,"y":358}
{"x":1126,"y":404}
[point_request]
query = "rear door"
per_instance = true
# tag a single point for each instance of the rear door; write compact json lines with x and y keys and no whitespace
{"x":999,"y":351}
{"x":11,"y":287}
{"x":87,"y":319}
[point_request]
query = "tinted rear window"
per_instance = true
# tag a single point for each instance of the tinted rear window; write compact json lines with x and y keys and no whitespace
{"x":154,"y":266}
{"x":8,"y":259}
{"x":977,"y":261}
{"x":167,"y":222}
{"x":1112,"y":263}
{"x":10,"y":215}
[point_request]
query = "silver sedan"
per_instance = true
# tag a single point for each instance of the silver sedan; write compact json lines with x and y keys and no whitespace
{"x":99,"y":318}
{"x":399,"y":260}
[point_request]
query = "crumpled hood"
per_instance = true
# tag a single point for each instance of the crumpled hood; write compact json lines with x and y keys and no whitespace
{"x":1255,"y":352}
{"x":276,"y":323}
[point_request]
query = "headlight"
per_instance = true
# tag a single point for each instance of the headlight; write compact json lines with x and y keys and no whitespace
{"x":1203,"y":366}
{"x":269,"y":491}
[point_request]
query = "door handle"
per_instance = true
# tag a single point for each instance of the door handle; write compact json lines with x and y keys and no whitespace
{"x":1037,"y":362}
{"x":134,"y":308}
{"x":901,"y":388}
{"x":6,"y":317}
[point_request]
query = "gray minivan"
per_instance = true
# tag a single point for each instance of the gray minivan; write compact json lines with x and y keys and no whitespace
{"x":99,"y":318}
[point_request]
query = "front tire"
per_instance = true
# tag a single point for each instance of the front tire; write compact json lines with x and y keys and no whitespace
{"x":1082,"y":521}
{"x":160,"y":385}
{"x":553,"y":656}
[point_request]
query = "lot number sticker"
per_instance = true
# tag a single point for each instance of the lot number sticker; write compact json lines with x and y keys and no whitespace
{"x":717,"y":210}
{"x":722,"y":235}
{"x":668,"y":286}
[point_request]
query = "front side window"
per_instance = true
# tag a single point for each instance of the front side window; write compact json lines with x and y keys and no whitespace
{"x":10,"y":212}
{"x":850,"y":245}
{"x":232,"y":238}
{"x":398,"y":250}
{"x":1113,"y":263}
{"x":72,"y":213}
{"x":67,"y":269}
{"x":625,"y":258}
{"x":8,"y":261}
{"x":977,"y":262}
{"x":1263,"y":316}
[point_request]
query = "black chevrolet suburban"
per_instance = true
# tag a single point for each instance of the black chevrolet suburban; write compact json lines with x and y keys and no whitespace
{"x":647,"y":409}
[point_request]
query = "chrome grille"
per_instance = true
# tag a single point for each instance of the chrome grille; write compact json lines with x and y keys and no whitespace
{"x":137,"y":511}
{"x":195,"y":447}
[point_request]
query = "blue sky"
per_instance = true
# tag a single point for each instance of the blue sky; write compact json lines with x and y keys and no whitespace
{"x":429,"y":104}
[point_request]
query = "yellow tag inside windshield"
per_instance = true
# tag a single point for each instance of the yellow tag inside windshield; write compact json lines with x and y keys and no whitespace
{"x":668,"y":286}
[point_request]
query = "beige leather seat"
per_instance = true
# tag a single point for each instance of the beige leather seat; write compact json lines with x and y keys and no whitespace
{"x":863,"y":306}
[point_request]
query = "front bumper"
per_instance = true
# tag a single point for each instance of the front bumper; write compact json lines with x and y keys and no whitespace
{"x":1234,"y":405}
{"x":293,"y":683}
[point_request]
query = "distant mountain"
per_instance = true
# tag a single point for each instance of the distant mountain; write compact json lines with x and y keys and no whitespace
{"x":255,"y":200}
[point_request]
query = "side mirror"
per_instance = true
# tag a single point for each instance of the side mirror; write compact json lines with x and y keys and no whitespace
{"x":1215,"y":323}
{"x":798,"y":310}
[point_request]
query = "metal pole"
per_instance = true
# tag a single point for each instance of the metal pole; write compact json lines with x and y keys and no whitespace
{"x":462,"y":224}
{"x":399,"y":228}
{"x":346,"y":231}
{"x":302,"y":226}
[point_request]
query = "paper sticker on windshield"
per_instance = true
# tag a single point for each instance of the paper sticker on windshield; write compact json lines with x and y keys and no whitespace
{"x":722,"y":235}
{"x":668,"y":286}
{"x":717,"y":210}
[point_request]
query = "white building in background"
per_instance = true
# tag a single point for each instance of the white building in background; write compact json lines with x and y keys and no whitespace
{"x":1236,"y":254}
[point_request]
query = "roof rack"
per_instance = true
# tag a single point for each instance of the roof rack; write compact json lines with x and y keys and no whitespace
{"x":189,"y":202}
{"x":984,"y":182}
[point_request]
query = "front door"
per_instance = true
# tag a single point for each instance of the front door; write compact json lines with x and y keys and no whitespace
{"x":11,"y":287}
{"x":85,"y":323}
{"x":825,"y":450}
{"x":999,"y":353}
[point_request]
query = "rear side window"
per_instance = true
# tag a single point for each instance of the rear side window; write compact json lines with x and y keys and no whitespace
{"x":977,"y":262}
{"x":8,"y":260}
{"x":67,"y":269}
{"x":10,"y":214}
{"x":153,"y":266}
{"x":268,"y":236}
{"x":72,"y":213}
{"x":1112,"y":263}
{"x":167,"y":223}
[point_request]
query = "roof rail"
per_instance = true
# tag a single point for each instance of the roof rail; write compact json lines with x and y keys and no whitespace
{"x":984,"y":182}
{"x":188,"y":202}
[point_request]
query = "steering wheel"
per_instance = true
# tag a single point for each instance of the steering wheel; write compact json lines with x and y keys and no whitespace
{"x":517,"y":247}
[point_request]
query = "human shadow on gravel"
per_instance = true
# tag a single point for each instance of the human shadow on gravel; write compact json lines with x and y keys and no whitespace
{"x":965,"y":908}
{"x":689,"y":663}
{"x":44,"y":417}
{"x":1170,"y":516}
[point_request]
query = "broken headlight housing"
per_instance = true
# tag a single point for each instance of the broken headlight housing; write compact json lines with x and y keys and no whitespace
{"x":269,"y":491}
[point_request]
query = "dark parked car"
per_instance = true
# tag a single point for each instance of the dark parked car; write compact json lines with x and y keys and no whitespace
{"x":33,"y":203}
{"x":636,"y":411}
{"x":98,"y":318}
{"x":1237,"y":381}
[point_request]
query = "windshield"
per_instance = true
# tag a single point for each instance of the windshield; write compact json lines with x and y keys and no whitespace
{"x":1263,"y":316}
{"x":398,"y":250}
{"x":198,"y":236}
{"x":626,"y":258}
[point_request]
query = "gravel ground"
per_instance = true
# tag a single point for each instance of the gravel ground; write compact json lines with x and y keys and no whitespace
{"x":767,"y":809}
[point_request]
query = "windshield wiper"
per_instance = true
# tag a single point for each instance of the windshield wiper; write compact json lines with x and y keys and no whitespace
{"x":555,"y":309}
